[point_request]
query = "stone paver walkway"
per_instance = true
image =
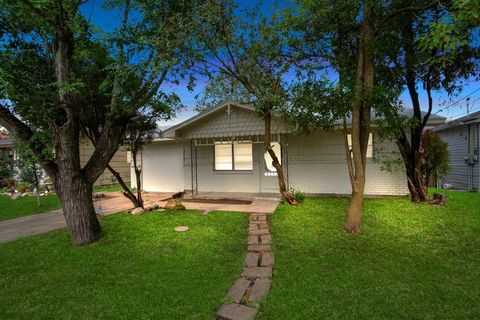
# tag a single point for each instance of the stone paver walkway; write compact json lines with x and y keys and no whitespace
{"x":256,"y":278}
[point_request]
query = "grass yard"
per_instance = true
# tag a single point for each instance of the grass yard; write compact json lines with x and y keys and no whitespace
{"x":411,"y":261}
{"x":10,"y":209}
{"x":111,"y":188}
{"x":141,"y":269}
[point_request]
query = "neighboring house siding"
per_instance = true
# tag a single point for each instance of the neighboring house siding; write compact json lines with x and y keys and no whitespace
{"x":461,"y":175}
{"x":118,"y":162}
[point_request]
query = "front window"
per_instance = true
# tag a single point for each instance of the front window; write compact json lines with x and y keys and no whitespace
{"x":237,"y":156}
{"x":369,"y":147}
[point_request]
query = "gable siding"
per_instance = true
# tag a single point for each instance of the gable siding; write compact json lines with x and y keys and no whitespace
{"x":459,"y":175}
{"x":240,"y":123}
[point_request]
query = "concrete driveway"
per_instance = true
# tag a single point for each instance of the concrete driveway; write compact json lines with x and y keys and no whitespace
{"x":114,"y":202}
{"x":39,"y":223}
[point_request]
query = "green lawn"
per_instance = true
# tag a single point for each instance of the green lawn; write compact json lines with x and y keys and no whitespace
{"x":10,"y":209}
{"x":411,"y":261}
{"x":141,"y":269}
{"x":111,"y":188}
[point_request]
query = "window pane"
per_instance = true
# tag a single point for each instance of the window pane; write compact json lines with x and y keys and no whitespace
{"x":223,"y":157}
{"x":268,"y":160}
{"x":243,"y":156}
{"x":369,"y":147}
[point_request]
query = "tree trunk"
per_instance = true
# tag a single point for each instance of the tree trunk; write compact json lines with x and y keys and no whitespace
{"x":354,"y":210}
{"x":138,"y":178}
{"x":276,"y":164}
{"x":361,"y":109}
{"x":414,"y":169}
{"x":411,"y":151}
{"x":76,"y":199}
{"x":126,"y":190}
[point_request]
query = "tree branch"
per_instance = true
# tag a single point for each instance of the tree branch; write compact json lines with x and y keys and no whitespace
{"x":38,"y":12}
{"x":23,"y":132}
{"x":394,"y":13}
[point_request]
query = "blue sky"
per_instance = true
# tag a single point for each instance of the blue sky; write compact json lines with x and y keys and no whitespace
{"x":450,"y":107}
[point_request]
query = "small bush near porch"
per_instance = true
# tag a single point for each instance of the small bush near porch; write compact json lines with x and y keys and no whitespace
{"x":141,"y":269}
{"x":411,"y":261}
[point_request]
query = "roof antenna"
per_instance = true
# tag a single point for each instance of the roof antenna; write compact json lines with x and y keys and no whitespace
{"x":468,"y":105}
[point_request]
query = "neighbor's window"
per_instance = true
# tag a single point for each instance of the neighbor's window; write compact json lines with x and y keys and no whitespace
{"x":236,"y":156}
{"x":369,"y":147}
{"x":268,"y":160}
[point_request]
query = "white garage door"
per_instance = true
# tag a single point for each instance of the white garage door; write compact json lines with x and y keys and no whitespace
{"x":163,"y":169}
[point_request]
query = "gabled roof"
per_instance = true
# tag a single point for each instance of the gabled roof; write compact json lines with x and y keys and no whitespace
{"x":471,"y":118}
{"x":434,"y":120}
{"x":171,"y":131}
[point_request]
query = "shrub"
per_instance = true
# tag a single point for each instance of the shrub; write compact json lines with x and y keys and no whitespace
{"x":298,"y":194}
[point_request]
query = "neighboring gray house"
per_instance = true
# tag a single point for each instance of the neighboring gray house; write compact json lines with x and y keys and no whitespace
{"x":221,"y":151}
{"x":462,"y":136}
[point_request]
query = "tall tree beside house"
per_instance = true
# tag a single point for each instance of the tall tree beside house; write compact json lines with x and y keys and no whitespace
{"x":360,"y":28}
{"x":245,"y":48}
{"x":436,"y":68}
{"x":43,"y":47}
{"x":221,"y":88}
{"x":143,"y":129}
{"x":142,"y":126}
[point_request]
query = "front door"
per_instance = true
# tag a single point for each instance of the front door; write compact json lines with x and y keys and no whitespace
{"x":268,"y":174}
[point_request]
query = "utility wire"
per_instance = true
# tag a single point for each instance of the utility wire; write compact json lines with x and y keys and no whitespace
{"x":471,"y":111}
{"x":454,"y":103}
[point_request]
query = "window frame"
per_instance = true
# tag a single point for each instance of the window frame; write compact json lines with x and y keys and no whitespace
{"x":232,"y":150}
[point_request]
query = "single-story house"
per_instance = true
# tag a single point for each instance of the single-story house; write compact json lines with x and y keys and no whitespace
{"x":462,"y":136}
{"x":221,"y":150}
